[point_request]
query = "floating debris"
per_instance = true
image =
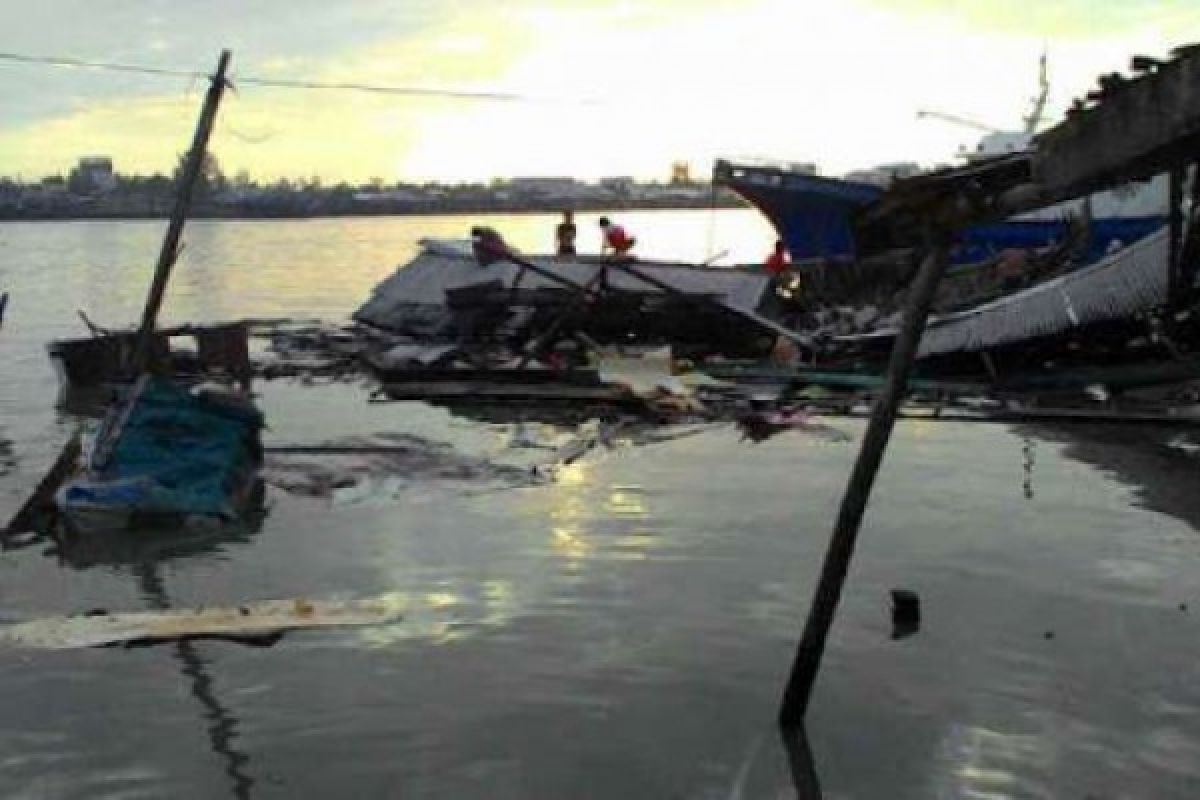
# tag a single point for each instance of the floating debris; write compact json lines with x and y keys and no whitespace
{"x":351,"y":468}
{"x":906,"y":613}
{"x":101,"y":629}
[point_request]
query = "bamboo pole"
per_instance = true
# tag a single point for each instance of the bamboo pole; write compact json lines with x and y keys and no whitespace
{"x":183,"y":201}
{"x":858,"y":491}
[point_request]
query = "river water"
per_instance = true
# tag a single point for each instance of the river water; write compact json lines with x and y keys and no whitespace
{"x":621,"y":631}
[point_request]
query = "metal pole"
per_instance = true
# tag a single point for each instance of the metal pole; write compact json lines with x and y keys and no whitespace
{"x":858,"y":491}
{"x":183,"y":201}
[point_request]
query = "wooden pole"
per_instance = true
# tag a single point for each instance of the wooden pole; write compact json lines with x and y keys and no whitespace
{"x":1174,"y":236}
{"x":858,"y":490}
{"x":183,"y":201}
{"x":1189,"y":252}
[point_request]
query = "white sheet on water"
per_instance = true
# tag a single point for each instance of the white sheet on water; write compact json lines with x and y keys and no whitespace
{"x":443,"y":265}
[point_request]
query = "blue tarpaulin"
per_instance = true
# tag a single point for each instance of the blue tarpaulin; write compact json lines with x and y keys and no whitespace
{"x":174,"y":453}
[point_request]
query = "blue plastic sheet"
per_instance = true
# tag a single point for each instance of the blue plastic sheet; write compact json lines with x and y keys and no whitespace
{"x":176,"y":453}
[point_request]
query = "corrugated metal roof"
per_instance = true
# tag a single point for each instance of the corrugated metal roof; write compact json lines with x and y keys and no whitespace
{"x":1128,"y":281}
{"x":417,"y":290}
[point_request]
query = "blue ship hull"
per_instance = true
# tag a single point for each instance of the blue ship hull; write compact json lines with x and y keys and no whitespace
{"x":813,"y":216}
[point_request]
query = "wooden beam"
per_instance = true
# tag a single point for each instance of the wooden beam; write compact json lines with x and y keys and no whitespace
{"x":1137,"y":129}
{"x":1174,"y":236}
{"x":183,"y":201}
{"x":1189,"y":256}
{"x":828,"y":592}
{"x":41,"y":502}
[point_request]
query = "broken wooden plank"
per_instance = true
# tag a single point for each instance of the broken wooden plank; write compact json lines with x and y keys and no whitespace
{"x":252,"y":619}
{"x":950,"y":413}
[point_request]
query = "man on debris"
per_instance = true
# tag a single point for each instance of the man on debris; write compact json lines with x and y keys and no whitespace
{"x":564,"y":235}
{"x":488,"y":245}
{"x":616,"y":241}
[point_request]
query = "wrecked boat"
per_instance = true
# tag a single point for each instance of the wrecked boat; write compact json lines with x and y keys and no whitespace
{"x":815,"y":215}
{"x":445,"y":294}
{"x":530,"y":328}
{"x":166,"y":455}
{"x":189,"y":353}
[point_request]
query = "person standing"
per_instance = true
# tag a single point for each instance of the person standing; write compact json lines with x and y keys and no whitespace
{"x":777,"y":263}
{"x":616,"y":241}
{"x":564,"y":235}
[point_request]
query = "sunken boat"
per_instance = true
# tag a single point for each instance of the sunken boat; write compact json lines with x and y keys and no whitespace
{"x":87,"y":367}
{"x":449,"y":324}
{"x":445,"y":294}
{"x":166,"y":455}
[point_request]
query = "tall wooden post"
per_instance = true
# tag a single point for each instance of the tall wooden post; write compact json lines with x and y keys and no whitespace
{"x":183,"y":201}
{"x":1189,"y":251}
{"x":858,"y":491}
{"x":1174,"y":236}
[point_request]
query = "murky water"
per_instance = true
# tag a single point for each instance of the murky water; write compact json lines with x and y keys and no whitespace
{"x":620,"y":631}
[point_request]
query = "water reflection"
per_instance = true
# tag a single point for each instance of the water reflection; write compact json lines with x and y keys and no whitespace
{"x":800,"y":763}
{"x":1144,"y":458}
{"x":1029,"y":454}
{"x":143,"y":552}
{"x":778,"y":764}
{"x":222,"y":724}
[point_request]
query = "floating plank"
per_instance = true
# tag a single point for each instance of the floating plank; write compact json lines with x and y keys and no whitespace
{"x":466,"y":390}
{"x":1030,"y":414}
{"x":497,"y":375}
{"x":254,"y":619}
{"x":767,"y":374}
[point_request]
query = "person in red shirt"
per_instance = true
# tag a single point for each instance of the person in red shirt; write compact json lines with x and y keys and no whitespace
{"x":616,"y":240}
{"x":778,"y":262}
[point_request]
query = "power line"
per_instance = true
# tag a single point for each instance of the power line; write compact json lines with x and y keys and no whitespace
{"x":281,"y":83}
{"x":411,"y":91}
{"x":78,"y":63}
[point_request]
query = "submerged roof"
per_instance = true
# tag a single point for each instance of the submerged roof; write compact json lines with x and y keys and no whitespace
{"x":1131,"y":280}
{"x":416,"y":291}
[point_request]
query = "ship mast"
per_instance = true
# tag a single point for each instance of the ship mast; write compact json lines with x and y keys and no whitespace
{"x":1034,"y":118}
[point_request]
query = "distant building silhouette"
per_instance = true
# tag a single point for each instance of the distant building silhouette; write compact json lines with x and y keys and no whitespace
{"x":93,"y":175}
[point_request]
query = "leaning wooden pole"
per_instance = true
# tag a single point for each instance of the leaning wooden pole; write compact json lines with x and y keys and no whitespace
{"x":183,"y":201}
{"x":858,"y":490}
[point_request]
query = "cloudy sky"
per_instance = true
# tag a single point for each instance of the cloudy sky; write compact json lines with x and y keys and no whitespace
{"x":612,"y":87}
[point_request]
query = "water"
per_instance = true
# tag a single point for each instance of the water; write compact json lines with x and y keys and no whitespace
{"x":621,"y":632}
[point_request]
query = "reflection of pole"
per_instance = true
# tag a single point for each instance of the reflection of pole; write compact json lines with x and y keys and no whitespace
{"x":183,"y":200}
{"x":800,"y":763}
{"x":858,"y":490}
{"x":222,"y":732}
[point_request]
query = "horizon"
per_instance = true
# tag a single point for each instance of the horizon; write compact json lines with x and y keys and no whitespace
{"x":594,"y":90}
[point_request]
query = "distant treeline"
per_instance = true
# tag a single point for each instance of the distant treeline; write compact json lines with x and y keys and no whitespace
{"x":89,"y":193}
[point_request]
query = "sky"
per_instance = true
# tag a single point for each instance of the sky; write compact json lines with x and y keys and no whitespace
{"x":607,"y":87}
